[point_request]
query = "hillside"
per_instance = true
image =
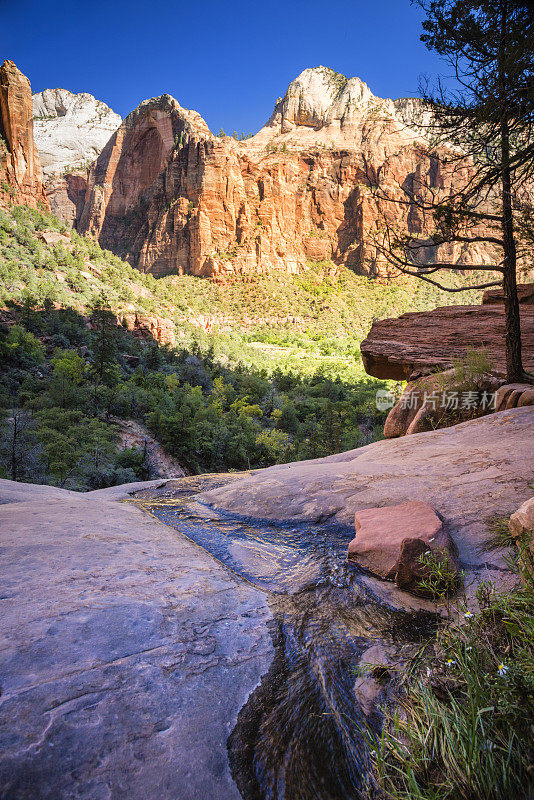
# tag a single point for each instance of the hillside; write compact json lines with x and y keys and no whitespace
{"x":244,"y":375}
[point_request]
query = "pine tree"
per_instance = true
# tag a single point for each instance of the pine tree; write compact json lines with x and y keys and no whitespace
{"x":485,"y":128}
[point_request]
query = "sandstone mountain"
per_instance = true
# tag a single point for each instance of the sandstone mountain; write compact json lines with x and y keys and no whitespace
{"x":20,"y":169}
{"x":172,"y":198}
{"x":70,"y":130}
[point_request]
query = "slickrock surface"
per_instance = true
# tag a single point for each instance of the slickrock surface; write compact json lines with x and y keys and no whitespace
{"x":127,"y":652}
{"x":470,"y":473}
{"x":428,"y":341}
{"x":172,"y":197}
{"x":20,"y":169}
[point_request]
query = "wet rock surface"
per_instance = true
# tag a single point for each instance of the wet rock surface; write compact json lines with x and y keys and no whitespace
{"x":338,"y":651}
{"x":470,"y":473}
{"x":208,"y":657}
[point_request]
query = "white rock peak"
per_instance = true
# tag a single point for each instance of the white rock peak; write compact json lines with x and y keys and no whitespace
{"x":322,"y":106}
{"x":320,"y":95}
{"x":70,"y":130}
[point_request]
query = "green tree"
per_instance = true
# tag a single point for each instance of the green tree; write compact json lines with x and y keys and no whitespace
{"x":68,"y":374}
{"x":480,"y":135}
{"x":104,"y":339}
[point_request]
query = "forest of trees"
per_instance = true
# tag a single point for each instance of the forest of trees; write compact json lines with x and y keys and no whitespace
{"x":64,"y":384}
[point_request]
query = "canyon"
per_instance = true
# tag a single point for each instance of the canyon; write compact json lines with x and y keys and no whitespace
{"x":205,"y":636}
{"x":172,"y":198}
{"x":160,"y":190}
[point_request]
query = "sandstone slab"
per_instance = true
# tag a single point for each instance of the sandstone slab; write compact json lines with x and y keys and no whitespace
{"x":127,"y":652}
{"x":423,"y":342}
{"x":470,"y":473}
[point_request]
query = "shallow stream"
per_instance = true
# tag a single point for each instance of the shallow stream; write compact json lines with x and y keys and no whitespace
{"x":339,"y":651}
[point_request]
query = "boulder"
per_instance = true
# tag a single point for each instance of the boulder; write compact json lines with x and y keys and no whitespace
{"x":525,"y":294}
{"x":522,"y":529}
{"x":439,"y":401}
{"x":381,"y":535}
{"x":522,"y":521}
{"x":55,"y":237}
{"x":526,"y":398}
{"x":514,"y":395}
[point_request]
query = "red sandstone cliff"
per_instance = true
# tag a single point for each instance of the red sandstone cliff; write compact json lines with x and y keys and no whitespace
{"x":20,"y":169}
{"x":172,"y":198}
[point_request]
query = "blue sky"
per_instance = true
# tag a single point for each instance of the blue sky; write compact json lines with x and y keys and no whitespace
{"x":229,"y":61}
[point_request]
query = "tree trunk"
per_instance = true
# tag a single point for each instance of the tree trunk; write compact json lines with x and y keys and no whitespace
{"x":514,"y":364}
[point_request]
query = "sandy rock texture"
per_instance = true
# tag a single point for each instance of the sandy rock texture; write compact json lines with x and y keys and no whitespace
{"x":20,"y":168}
{"x":418,"y":343}
{"x":390,"y":539}
{"x":172,"y":198}
{"x":127,"y":652}
{"x":470,"y":474}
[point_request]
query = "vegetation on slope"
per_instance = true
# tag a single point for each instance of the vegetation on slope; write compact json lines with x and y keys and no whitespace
{"x":464,"y":727}
{"x":278,"y":378}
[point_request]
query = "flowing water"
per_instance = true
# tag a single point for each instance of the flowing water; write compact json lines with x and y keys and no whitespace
{"x":338,"y":652}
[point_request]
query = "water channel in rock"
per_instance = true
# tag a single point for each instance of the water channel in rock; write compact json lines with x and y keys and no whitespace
{"x":339,"y":651}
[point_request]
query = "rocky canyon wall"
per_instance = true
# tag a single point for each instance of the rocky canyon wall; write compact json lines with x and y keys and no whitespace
{"x":20,"y":168}
{"x":70,"y":132}
{"x":172,"y":198}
